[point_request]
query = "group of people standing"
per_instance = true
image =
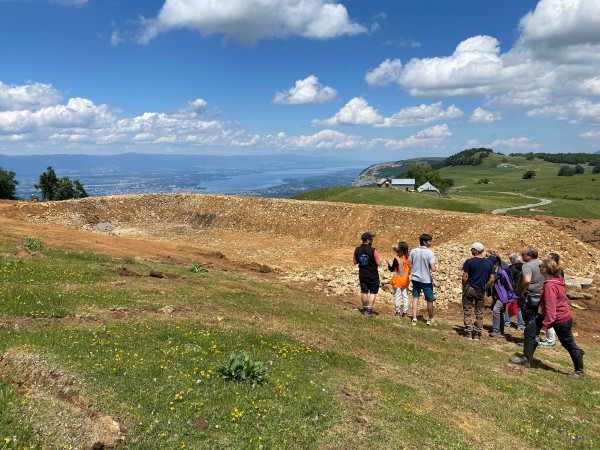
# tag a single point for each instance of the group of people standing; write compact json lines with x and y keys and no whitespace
{"x":527,"y":286}
{"x":415,"y":266}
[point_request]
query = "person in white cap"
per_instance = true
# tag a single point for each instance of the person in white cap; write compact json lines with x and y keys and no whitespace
{"x":478,"y":276}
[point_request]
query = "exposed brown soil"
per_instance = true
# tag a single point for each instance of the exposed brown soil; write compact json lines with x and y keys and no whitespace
{"x":306,"y":245}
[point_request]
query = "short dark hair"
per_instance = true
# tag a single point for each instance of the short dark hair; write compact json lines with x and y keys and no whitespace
{"x":424,"y":238}
{"x":555,"y":257}
{"x":530,"y":250}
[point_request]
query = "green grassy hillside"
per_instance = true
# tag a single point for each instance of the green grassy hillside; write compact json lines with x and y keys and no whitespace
{"x":67,"y":316}
{"x":577,"y":196}
{"x":387,"y":197}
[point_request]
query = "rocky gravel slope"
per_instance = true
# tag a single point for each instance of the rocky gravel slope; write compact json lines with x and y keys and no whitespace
{"x":310,"y":242}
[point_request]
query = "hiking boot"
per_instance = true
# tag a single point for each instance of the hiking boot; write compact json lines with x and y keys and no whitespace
{"x":494,"y":334}
{"x":404,"y":315}
{"x":528,"y":349}
{"x":578,"y":363}
{"x":397,"y":314}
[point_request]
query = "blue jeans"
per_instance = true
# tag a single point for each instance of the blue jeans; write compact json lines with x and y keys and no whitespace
{"x":507,"y":320}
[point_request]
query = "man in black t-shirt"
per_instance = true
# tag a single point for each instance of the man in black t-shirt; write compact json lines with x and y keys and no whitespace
{"x":368,"y":262}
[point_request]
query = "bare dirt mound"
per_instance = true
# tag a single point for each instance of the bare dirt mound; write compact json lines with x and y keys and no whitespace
{"x":59,"y":406}
{"x":300,"y":241}
{"x":307,"y":245}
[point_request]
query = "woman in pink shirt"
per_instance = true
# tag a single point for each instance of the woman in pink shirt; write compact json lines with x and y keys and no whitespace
{"x":555,"y":313}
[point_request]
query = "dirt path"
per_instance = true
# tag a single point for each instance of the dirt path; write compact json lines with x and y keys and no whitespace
{"x":542,"y":202}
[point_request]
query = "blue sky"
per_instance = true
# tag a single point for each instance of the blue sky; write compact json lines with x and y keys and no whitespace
{"x":385,"y":80}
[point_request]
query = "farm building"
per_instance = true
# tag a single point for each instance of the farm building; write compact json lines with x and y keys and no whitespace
{"x":401,"y":184}
{"x":429,"y":189}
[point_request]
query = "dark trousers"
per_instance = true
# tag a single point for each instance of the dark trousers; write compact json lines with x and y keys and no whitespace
{"x":563,"y":332}
{"x":529,"y":312}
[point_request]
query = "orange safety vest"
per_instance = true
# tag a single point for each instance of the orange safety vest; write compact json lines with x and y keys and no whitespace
{"x":400,"y":278}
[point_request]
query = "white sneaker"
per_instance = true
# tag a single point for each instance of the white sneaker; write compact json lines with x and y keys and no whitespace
{"x":414,"y":321}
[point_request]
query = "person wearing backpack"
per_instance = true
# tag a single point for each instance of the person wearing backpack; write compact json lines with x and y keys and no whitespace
{"x":502,"y":293}
{"x":400,"y":279}
{"x":514,"y":271}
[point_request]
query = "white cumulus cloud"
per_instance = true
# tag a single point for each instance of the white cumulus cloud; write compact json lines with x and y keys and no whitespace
{"x":388,"y":72}
{"x":555,"y":59}
{"x":421,"y":115}
{"x":515,"y":142}
{"x":430,"y":137}
{"x":324,"y":139}
{"x":590,"y":135}
{"x":356,"y":112}
{"x":248,"y":21}
{"x":481,"y":115}
{"x":305,"y":92}
{"x":27,"y":97}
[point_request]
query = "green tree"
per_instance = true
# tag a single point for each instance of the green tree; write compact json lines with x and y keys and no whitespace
{"x":529,"y":174}
{"x":596,"y":169}
{"x":8,"y":184}
{"x":424,"y":174}
{"x":566,"y":171}
{"x":53,"y":188}
{"x":578,"y":170}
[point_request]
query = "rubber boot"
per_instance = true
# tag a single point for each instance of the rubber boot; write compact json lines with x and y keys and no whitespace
{"x":578,"y":363}
{"x":528,"y":349}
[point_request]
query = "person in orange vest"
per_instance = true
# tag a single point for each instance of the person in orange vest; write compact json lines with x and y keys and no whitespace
{"x":401,"y":278}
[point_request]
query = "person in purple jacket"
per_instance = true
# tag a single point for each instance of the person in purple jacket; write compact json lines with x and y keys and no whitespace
{"x":502,"y":293}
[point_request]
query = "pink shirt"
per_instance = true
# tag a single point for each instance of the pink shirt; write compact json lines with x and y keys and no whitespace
{"x":553,"y":299}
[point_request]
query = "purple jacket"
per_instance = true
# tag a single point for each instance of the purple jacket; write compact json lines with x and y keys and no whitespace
{"x":503,"y":285}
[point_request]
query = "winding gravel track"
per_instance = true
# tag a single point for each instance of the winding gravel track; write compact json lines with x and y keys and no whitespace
{"x":542,"y":202}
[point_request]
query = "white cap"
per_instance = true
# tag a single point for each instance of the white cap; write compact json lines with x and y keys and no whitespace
{"x":478,"y":246}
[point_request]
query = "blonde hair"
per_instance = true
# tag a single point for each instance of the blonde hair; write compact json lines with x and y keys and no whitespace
{"x":552,"y":267}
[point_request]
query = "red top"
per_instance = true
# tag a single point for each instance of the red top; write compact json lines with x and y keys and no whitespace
{"x":553,"y":299}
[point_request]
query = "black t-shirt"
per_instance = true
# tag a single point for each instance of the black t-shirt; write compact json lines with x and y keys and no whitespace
{"x":367,"y":266}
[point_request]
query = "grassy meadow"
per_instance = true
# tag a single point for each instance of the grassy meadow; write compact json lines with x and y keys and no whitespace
{"x":334,"y":379}
{"x":576,"y":196}
{"x":387,"y":197}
